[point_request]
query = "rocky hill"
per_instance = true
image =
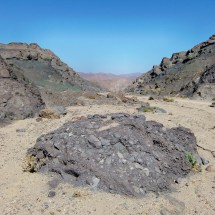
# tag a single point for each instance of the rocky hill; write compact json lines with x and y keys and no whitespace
{"x":190,"y":74}
{"x":18,"y":98}
{"x":43,"y":68}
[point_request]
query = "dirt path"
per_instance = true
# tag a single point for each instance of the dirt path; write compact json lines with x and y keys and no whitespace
{"x":25,"y":193}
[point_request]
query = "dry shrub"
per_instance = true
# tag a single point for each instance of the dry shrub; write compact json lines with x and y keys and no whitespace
{"x":32,"y":164}
{"x":166,"y":99}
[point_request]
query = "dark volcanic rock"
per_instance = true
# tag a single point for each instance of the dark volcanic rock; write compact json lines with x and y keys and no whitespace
{"x":18,"y":98}
{"x":213,"y":104}
{"x":189,"y":74}
{"x":117,"y":153}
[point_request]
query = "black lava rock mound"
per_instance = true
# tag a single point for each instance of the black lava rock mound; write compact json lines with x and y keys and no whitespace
{"x":117,"y":153}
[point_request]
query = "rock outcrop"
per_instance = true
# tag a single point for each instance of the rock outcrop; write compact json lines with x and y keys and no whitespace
{"x":117,"y":153}
{"x":18,"y":98}
{"x":190,"y":74}
{"x":43,"y":68}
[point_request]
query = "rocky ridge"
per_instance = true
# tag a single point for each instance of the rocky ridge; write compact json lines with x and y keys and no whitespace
{"x":117,"y":153}
{"x":43,"y":68}
{"x":190,"y":74}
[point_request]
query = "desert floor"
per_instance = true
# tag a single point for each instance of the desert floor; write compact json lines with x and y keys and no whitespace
{"x":27,"y":193}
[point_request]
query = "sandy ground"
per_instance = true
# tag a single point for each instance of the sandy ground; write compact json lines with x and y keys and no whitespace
{"x":27,"y":193}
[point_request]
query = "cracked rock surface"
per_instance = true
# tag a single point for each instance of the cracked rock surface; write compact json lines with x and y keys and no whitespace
{"x":117,"y":153}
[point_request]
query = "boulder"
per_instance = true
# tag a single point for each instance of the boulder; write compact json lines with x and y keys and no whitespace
{"x":117,"y":153}
{"x":60,"y":109}
{"x":213,"y":104}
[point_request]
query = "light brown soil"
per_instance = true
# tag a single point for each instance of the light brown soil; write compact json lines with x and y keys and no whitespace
{"x":27,"y":193}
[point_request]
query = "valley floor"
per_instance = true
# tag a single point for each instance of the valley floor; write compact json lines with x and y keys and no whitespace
{"x":27,"y":193}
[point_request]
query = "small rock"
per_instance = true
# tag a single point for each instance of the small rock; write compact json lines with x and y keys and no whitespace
{"x":119,"y":146}
{"x":213,"y":104}
{"x":94,"y":141}
{"x":51,"y":194}
{"x":95,"y":182}
{"x":159,"y":110}
{"x":54,"y":183}
{"x":210,"y":168}
{"x":124,"y":161}
{"x":60,"y":109}
{"x":105,"y":142}
{"x":204,"y":161}
{"x":138,"y":166}
{"x":20,"y":130}
{"x":146,"y":171}
{"x":213,"y":153}
{"x":136,"y":189}
{"x":178,"y":180}
{"x":40,"y":155}
{"x":120,"y":155}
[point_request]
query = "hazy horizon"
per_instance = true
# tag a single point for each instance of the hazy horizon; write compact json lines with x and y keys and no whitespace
{"x":111,"y":37}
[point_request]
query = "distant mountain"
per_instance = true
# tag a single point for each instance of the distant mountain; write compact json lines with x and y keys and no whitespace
{"x":43,"y":68}
{"x":110,"y":81}
{"x":190,"y":73}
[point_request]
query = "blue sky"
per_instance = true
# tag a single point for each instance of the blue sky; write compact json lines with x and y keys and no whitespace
{"x":116,"y":36}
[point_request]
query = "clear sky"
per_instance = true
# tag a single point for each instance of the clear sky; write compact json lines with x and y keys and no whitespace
{"x":116,"y":36}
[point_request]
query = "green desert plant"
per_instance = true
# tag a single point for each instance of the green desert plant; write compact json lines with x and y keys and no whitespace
{"x":189,"y":156}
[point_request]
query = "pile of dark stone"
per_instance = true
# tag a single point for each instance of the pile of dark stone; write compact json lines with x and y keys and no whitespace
{"x":117,"y":153}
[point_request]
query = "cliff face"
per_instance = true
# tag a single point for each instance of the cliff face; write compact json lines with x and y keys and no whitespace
{"x":18,"y":98}
{"x":190,"y":74}
{"x":43,"y":68}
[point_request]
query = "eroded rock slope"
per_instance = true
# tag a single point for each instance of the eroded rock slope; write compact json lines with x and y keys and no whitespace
{"x":43,"y":68}
{"x":18,"y":98}
{"x":189,"y":73}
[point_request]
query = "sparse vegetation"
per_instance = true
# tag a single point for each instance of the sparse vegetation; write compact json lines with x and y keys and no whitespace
{"x":56,"y":86}
{"x":146,"y":108}
{"x":189,"y":156}
{"x":213,"y":99}
{"x":32,"y":164}
{"x":92,"y":97}
{"x":80,"y":193}
{"x":166,"y":99}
